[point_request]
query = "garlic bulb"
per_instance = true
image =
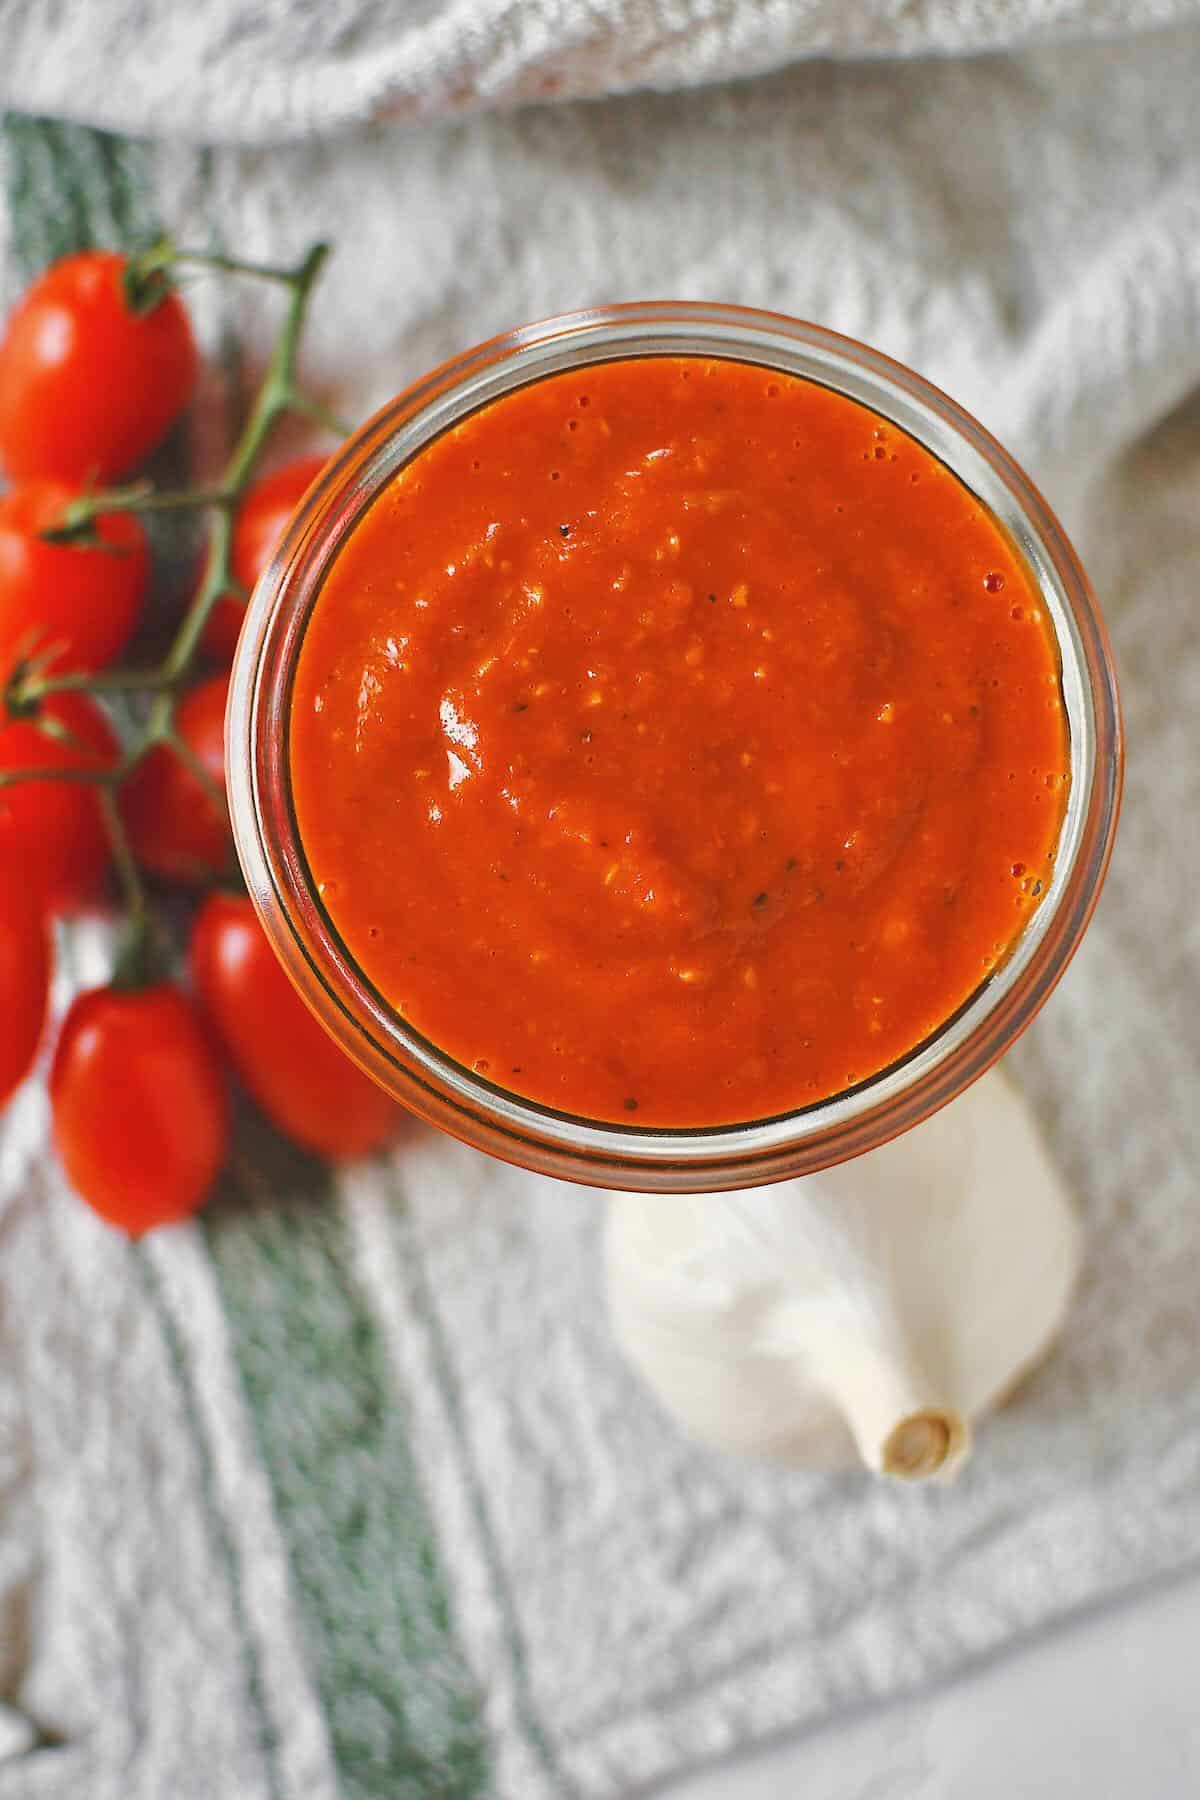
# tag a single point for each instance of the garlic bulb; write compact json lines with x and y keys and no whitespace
{"x":878,"y":1307}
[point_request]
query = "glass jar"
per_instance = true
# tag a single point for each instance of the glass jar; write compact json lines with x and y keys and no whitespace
{"x":460,"y":1101}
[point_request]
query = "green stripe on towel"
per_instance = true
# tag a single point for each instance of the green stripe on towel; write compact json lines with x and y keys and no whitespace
{"x":422,"y":1302}
{"x":403,"y":1710}
{"x":69,"y":187}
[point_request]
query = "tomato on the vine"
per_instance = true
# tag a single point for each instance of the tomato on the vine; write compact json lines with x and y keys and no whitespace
{"x":174,"y":826}
{"x":258,"y":526}
{"x":53,"y":831}
{"x":88,"y":383}
{"x":80,"y":602}
{"x":139,"y":1104}
{"x":24,"y":980}
{"x":305,"y":1084}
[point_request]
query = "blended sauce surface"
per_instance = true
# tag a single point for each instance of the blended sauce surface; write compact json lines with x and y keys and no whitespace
{"x":677,"y":742}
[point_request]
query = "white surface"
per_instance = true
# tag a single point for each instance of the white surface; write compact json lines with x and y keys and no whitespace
{"x":1107,"y":1708}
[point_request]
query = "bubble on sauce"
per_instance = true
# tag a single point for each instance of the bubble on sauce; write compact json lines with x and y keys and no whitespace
{"x":993,"y":581}
{"x":481,"y":1066}
{"x":1018,"y":612}
{"x":572,"y":424}
{"x":880,"y":453}
{"x":585,"y":400}
{"x":1018,"y":869}
{"x":772,"y":389}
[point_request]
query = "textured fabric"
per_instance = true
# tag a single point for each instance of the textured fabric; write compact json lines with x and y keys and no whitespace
{"x":343,"y":1491}
{"x":258,"y":71}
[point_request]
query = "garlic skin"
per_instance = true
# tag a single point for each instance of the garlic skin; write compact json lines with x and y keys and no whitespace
{"x":873,"y":1310}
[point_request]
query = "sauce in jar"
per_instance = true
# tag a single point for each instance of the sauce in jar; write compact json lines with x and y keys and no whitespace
{"x":677,"y":742}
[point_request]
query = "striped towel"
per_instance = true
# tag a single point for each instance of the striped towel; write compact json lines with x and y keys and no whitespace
{"x":341,"y":1490}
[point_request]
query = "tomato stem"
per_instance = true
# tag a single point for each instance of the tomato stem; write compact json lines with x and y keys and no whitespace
{"x":146,"y":280}
{"x":142,"y":958}
{"x":124,"y":861}
{"x":309,"y":407}
{"x":147,"y":276}
{"x":78,"y":516}
{"x":165,"y":255}
{"x":216,"y":580}
{"x":57,"y":772}
{"x":24,"y":693}
{"x":197,"y":770}
{"x":278,"y":394}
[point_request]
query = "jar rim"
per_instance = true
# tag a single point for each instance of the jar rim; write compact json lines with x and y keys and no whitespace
{"x":427,"y":1079}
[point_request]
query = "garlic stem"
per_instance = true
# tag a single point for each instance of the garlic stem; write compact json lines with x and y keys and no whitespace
{"x":926,"y":1444}
{"x":899,"y":1423}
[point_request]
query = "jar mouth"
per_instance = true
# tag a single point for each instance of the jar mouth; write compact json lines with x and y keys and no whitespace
{"x":642,"y":1157}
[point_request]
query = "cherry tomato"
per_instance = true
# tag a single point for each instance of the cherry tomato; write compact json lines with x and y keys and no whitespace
{"x":304,"y":1083}
{"x":264,"y":512}
{"x":88,"y":386}
{"x":53,"y":832}
{"x":140,"y":1109}
{"x":24,"y":980}
{"x":83,"y":599}
{"x":174,"y":827}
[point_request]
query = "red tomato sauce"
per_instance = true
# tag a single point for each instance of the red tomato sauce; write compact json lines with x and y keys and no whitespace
{"x":677,"y":742}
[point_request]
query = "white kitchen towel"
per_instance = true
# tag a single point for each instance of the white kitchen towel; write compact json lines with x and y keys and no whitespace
{"x":264,"y":71}
{"x":342,"y":1490}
